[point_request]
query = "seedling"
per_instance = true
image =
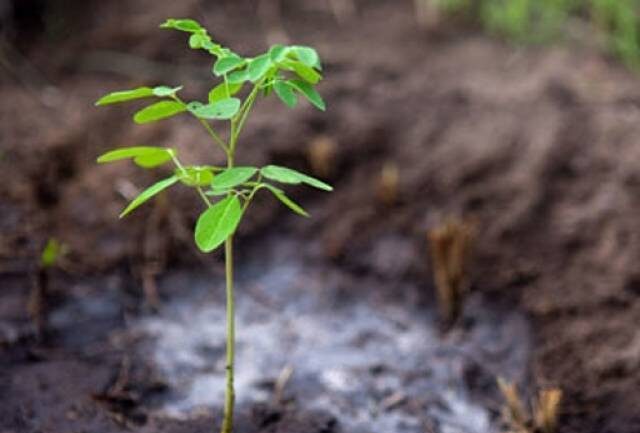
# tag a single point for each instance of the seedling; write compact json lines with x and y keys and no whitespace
{"x":50,"y":258}
{"x":289,"y":72}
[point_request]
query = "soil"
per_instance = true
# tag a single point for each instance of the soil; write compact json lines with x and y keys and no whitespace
{"x":537,"y":146}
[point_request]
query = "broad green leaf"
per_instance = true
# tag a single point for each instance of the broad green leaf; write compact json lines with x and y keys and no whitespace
{"x":158,"y":111}
{"x":194,"y":105}
{"x":225,"y":65}
{"x":307,"y":55}
{"x":238,"y":76}
{"x":163,"y":91}
{"x":290,"y":176}
{"x":149,"y":193}
{"x":224,"y":91}
{"x":258,"y":67}
{"x":224,"y":109}
{"x":278,"y":52}
{"x":233,"y":177}
{"x":305,"y":72}
{"x":217,"y":223}
{"x":153,"y":159}
{"x":285,"y":93}
{"x":125,"y":95}
{"x":310,"y":93}
{"x":144,"y":156}
{"x":195,"y":176}
{"x":280,"y":195}
{"x":184,"y":25}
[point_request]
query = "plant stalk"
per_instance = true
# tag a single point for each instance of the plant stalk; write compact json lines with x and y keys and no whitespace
{"x":229,"y":398}
{"x":227,"y":423}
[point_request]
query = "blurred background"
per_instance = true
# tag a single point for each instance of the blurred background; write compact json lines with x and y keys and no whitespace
{"x":520,"y":119}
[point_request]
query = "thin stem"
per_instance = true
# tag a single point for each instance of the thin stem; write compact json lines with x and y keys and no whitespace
{"x":215,"y":136}
{"x":178,"y":164}
{"x":229,"y":399}
{"x":236,"y":127}
{"x":204,"y":196}
{"x":208,"y":127}
{"x":227,"y":423}
{"x":239,"y":121}
{"x":257,"y":187}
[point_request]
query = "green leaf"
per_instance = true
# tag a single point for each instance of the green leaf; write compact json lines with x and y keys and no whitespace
{"x":310,"y":93}
{"x":224,"y":91}
{"x":290,"y":176}
{"x":51,"y":253}
{"x":233,"y":177}
{"x":158,"y":111}
{"x":280,"y":195}
{"x":285,"y":93}
{"x":184,"y":25}
{"x":238,"y":77}
{"x":258,"y":67}
{"x":305,"y":72}
{"x":278,"y":52}
{"x":225,"y":65}
{"x":125,"y":95}
{"x":153,"y":159}
{"x":307,"y":55}
{"x":144,"y":156}
{"x":224,"y":109}
{"x":217,"y":223}
{"x":149,"y":193}
{"x":164,"y":91}
{"x":197,"y":41}
{"x":195,"y":176}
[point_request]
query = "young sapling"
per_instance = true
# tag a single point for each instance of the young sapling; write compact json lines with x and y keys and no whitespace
{"x":226,"y":192}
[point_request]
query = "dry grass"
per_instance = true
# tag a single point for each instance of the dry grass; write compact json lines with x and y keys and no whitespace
{"x":539,"y":416}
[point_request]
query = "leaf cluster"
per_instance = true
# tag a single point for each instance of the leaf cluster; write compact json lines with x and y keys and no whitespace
{"x":235,"y":186}
{"x":289,"y":72}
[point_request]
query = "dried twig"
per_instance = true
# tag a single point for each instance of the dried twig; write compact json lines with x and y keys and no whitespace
{"x":451,"y":249}
{"x":281,"y":383}
{"x":322,"y":155}
{"x":541,"y":415}
{"x":388,"y":184}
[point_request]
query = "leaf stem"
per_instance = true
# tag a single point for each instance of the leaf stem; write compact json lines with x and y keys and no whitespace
{"x":204,"y":196}
{"x":206,"y":125}
{"x":237,"y":124}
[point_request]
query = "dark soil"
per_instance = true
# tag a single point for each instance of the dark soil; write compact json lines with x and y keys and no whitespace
{"x":538,"y":146}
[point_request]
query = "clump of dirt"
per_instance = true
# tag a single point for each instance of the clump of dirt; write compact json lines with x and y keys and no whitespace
{"x":538,"y":146}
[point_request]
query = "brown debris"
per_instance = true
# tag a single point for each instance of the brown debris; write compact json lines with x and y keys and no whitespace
{"x":540,"y":416}
{"x":388,"y":184}
{"x":451,"y":247}
{"x":322,"y":155}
